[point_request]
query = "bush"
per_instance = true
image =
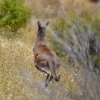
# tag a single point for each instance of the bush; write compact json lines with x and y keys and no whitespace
{"x":78,"y":42}
{"x":74,"y":34}
{"x":13,"y":14}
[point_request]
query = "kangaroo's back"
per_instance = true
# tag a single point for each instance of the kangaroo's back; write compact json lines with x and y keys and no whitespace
{"x":44,"y":58}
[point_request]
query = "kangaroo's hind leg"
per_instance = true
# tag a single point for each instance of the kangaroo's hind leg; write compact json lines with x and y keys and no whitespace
{"x":50,"y":79}
{"x":45,"y":68}
{"x":42,"y":66}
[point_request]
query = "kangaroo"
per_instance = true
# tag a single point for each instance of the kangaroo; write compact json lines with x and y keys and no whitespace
{"x":45,"y":60}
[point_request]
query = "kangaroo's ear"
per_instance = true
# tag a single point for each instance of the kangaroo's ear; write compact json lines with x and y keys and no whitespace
{"x":39,"y":24}
{"x":47,"y":24}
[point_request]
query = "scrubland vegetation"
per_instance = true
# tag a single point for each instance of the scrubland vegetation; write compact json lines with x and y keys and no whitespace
{"x":74,"y":34}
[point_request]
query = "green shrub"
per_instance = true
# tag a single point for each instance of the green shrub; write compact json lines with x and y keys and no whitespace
{"x":13,"y":14}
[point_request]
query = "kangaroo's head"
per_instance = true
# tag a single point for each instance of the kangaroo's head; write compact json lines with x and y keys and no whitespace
{"x":41,"y":29}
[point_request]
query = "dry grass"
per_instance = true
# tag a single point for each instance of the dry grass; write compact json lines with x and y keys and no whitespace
{"x":55,"y":8}
{"x":14,"y":55}
{"x":81,"y":7}
{"x":20,"y":80}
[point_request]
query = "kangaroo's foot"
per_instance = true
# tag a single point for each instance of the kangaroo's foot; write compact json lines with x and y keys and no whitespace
{"x":57,"y":78}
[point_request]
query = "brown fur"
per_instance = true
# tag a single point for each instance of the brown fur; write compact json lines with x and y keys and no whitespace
{"x":44,"y":58}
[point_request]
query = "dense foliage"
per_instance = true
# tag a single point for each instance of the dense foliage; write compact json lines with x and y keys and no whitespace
{"x":13,"y":14}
